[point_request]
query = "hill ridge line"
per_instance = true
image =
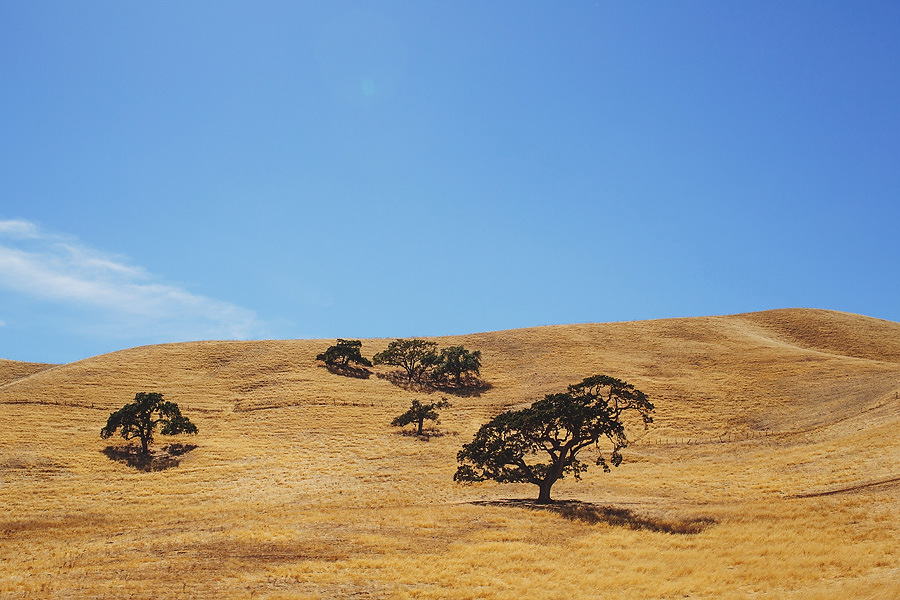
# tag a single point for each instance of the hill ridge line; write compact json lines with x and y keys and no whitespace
{"x":746,"y":318}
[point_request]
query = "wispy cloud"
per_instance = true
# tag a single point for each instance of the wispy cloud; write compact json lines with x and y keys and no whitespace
{"x":18,"y":228}
{"x":129,"y":300}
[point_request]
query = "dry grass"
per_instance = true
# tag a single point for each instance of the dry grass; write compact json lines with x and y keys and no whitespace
{"x":13,"y":370}
{"x":299,"y":488}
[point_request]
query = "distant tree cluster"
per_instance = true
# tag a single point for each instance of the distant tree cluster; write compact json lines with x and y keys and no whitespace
{"x":455,"y":369}
{"x":424,"y":364}
{"x":420,"y":363}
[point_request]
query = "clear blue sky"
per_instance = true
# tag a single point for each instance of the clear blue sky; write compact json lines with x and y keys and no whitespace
{"x":173,"y":171}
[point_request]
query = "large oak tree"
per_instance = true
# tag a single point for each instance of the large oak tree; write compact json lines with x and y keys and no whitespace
{"x":145,"y":414}
{"x":540,"y":444}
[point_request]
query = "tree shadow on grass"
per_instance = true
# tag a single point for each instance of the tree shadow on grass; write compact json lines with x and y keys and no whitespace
{"x":427,"y":434}
{"x":587,"y":512}
{"x":465,"y":389}
{"x":160,"y":459}
{"x":349,"y":371}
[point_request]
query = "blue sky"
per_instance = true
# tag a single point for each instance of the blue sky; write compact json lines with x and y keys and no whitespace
{"x":172,"y":171}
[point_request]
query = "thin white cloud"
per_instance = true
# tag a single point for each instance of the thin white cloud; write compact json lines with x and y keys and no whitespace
{"x":64,"y":271}
{"x":18,"y":228}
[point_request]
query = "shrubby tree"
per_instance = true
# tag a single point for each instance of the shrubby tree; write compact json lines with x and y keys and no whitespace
{"x":140,"y":418}
{"x":343,"y":353}
{"x":457,"y":363}
{"x":540,"y":444}
{"x":416,"y":357}
{"x":419,"y":412}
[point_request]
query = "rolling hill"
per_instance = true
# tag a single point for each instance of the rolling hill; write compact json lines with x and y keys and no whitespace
{"x":13,"y":370}
{"x":778,"y":430}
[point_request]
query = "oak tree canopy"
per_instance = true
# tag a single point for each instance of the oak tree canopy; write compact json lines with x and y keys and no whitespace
{"x":540,"y":444}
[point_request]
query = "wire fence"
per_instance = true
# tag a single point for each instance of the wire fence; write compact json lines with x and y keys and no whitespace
{"x":724,"y":438}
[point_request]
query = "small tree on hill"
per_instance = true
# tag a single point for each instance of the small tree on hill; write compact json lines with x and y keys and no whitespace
{"x":140,"y":418}
{"x":457,"y":363}
{"x":343,"y":353}
{"x":555,"y":429}
{"x":414,"y":356}
{"x":419,"y":412}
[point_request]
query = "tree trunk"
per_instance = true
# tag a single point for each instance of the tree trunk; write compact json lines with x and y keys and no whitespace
{"x":144,"y":445}
{"x":544,"y":495}
{"x":421,"y":425}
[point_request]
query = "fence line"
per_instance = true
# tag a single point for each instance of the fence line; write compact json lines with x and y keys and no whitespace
{"x":65,"y":404}
{"x":730,"y":436}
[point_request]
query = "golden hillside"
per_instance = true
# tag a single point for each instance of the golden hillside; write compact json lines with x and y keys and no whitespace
{"x":778,"y":427}
{"x":11,"y":370}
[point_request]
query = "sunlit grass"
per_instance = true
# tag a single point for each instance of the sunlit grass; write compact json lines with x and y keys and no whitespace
{"x":300,"y":488}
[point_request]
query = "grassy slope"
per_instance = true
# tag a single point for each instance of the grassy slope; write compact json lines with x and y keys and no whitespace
{"x":13,"y":370}
{"x":300,"y":489}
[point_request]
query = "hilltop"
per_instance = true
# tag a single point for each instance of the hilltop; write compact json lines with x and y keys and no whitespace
{"x":782,"y":419}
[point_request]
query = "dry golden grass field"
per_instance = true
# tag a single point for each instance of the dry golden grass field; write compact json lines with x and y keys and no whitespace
{"x":771,"y":471}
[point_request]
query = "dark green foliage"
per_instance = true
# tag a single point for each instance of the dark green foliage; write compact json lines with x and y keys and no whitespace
{"x":344,"y":353}
{"x":140,"y":418}
{"x":456,"y":364}
{"x":416,"y":357}
{"x":419,"y":412}
{"x":454,"y":369}
{"x":509,"y":448}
